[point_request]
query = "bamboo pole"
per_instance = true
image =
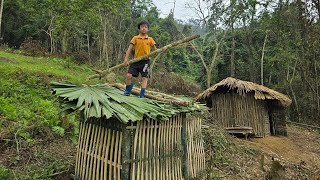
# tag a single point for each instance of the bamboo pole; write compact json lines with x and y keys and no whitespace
{"x":103,"y":73}
{"x":184,"y":141}
{"x":147,"y":150}
{"x":151,"y":154}
{"x":103,"y":141}
{"x":119,"y":155}
{"x":100,"y":144}
{"x":159,"y":150}
{"x":90,"y":154}
{"x":115,"y":154}
{"x":135,"y":91}
{"x":126,"y":151}
{"x":111,"y":154}
{"x":135,"y":146}
{"x":79,"y":148}
{"x":154,"y":161}
{"x":106,"y":157}
{"x":180,"y":144}
{"x":85,"y":156}
{"x":94,"y":152}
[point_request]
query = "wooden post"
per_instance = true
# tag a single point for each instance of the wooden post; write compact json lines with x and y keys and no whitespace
{"x":126,"y":152}
{"x":184,"y":142}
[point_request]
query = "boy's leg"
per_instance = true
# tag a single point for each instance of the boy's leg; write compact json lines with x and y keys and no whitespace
{"x":143,"y":87}
{"x":144,"y":82}
{"x":128,"y":78}
{"x":129,"y":85}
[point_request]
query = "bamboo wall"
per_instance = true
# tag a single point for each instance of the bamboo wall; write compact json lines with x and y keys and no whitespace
{"x":156,"y":149}
{"x":196,"y":157}
{"x":140,"y":150}
{"x":232,"y":110}
{"x":99,"y":151}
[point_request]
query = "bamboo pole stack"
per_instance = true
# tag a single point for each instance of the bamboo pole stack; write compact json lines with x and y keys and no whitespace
{"x":154,"y":95}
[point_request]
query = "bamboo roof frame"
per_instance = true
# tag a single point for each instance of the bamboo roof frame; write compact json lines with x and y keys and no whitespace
{"x":244,"y":87}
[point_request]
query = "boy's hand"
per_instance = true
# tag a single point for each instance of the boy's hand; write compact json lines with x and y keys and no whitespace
{"x":126,"y":62}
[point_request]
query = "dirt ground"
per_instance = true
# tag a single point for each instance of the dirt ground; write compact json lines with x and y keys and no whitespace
{"x":299,"y":151}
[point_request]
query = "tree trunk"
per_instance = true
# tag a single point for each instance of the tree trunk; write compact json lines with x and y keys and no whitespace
{"x":209,"y":77}
{"x":64,"y":42}
{"x":1,"y":11}
{"x":232,"y":72}
{"x":262,"y":56}
{"x":105,"y":59}
{"x":88,"y":46}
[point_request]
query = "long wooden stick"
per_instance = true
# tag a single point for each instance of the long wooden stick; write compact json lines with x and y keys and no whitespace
{"x":103,"y":73}
{"x":137,"y":92}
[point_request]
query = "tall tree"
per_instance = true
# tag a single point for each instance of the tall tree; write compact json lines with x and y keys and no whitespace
{"x":1,"y":10}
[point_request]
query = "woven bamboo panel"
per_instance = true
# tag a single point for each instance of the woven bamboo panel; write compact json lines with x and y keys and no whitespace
{"x":232,"y":110}
{"x":196,"y":153}
{"x":156,"y":149}
{"x":99,"y":152}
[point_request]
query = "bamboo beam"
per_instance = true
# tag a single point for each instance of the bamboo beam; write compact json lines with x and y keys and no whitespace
{"x":103,"y":73}
{"x":184,"y":142}
{"x":136,"y":91}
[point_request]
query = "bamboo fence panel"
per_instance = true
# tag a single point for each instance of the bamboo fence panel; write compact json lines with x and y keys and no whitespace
{"x":154,"y":149}
{"x":98,"y":152}
{"x":196,"y":153}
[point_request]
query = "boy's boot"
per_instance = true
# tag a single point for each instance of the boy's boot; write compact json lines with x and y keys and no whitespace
{"x":128,"y":90}
{"x":142,"y":92}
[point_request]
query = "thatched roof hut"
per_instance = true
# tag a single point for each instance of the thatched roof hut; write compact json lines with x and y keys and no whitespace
{"x":237,"y":103}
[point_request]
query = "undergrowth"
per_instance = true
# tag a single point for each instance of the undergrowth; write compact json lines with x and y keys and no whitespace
{"x":30,"y":115}
{"x":225,"y":157}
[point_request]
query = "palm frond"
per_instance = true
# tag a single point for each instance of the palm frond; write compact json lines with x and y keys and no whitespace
{"x":106,"y":101}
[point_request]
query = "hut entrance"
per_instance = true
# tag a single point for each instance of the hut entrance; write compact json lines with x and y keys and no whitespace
{"x":234,"y":110}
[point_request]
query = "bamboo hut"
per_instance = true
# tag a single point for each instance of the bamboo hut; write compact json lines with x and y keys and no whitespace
{"x":133,"y":138}
{"x":241,"y":105}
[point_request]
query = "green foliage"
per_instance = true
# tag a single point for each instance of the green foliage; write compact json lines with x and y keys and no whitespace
{"x":104,"y":101}
{"x":58,"y":130}
{"x":5,"y":173}
{"x":49,"y":170}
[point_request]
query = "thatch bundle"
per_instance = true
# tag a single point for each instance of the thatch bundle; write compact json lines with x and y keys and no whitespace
{"x":243,"y":87}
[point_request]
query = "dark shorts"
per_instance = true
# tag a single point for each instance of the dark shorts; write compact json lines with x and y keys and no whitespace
{"x":142,"y":67}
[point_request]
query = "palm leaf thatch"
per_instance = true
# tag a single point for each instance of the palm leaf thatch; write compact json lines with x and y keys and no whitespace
{"x":243,"y":87}
{"x":106,"y":101}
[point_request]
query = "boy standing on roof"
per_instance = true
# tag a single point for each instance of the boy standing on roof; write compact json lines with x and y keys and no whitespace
{"x":142,"y":44}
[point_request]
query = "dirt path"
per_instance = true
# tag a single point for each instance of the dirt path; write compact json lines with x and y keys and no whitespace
{"x":301,"y":147}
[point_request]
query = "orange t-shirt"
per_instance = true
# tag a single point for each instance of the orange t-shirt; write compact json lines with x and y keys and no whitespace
{"x":142,"y":45}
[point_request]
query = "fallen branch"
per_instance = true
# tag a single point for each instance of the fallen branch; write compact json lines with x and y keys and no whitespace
{"x":136,"y":91}
{"x":103,"y":73}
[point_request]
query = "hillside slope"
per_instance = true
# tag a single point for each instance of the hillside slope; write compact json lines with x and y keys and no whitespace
{"x":32,"y":129}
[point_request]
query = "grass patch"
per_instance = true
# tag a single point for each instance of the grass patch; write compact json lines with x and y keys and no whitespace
{"x":30,"y":115}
